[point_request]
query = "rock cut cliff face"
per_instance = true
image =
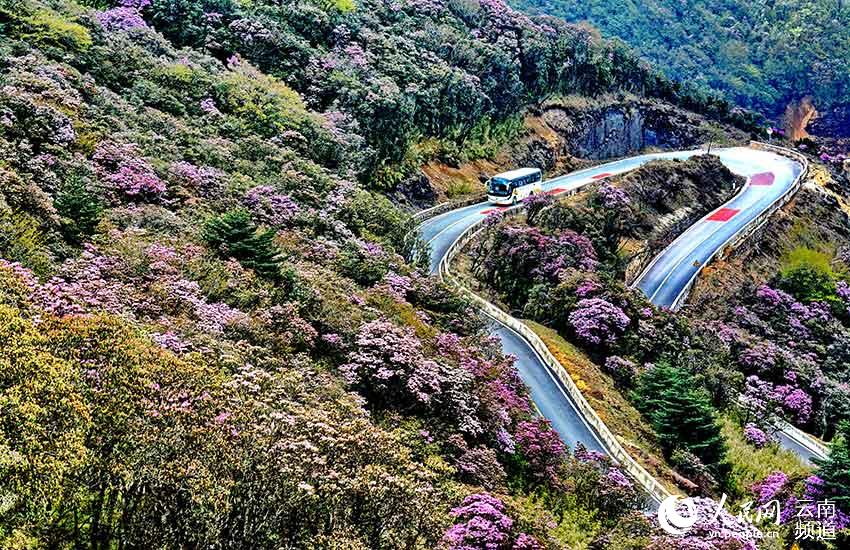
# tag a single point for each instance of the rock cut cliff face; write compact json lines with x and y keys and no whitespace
{"x":620,"y":128}
{"x":568,"y":134}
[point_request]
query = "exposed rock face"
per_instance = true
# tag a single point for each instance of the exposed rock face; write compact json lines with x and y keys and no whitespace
{"x":416,"y":190}
{"x":798,"y":114}
{"x":563,"y":135}
{"x":625,"y":127}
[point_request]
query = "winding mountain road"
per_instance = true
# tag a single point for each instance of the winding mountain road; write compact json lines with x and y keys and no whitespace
{"x":665,"y":280}
{"x":769,"y":177}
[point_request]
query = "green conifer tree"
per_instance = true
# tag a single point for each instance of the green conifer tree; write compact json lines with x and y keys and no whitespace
{"x":234,"y":235}
{"x":835,"y":469}
{"x":79,"y":208}
{"x":681,"y":415}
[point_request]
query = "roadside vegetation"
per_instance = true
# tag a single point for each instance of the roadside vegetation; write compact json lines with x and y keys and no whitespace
{"x":211,"y":335}
{"x":711,"y":390}
{"x":212,"y":332}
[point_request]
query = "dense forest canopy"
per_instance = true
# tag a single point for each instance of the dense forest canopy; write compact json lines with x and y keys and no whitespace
{"x":395,"y":71}
{"x":211,"y":331}
{"x":761,"y":53}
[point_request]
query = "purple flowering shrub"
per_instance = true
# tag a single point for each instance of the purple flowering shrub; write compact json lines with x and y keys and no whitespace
{"x":203,"y":180}
{"x":755,"y":436}
{"x":271,"y":207}
{"x":121,"y":168}
{"x":762,"y":398}
{"x":539,"y":450}
{"x":726,"y":531}
{"x":789,"y":351}
{"x":514,"y":258}
{"x":478,"y":465}
{"x":122,"y":18}
{"x":622,"y":370}
{"x":388,"y":365}
{"x":365,"y":262}
{"x":481,"y":521}
{"x":535,"y":204}
{"x":598,"y":322}
{"x":612,"y":197}
{"x":502,"y":395}
{"x":786,"y":498}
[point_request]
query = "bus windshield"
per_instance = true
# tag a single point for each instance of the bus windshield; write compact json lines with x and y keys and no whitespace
{"x":500,"y":187}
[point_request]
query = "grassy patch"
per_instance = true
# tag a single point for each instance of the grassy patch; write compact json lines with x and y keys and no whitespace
{"x":801,"y":256}
{"x":634,"y":433}
{"x":459,"y":188}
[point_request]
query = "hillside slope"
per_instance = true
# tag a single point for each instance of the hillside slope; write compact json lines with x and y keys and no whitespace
{"x":210,"y":335}
{"x":761,"y":54}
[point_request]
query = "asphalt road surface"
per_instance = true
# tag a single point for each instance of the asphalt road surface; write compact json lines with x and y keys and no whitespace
{"x":769,"y":175}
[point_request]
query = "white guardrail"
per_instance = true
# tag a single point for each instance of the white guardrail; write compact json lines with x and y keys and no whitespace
{"x":804,"y":440}
{"x":637,"y":472}
{"x":612,"y":445}
{"x":757,"y":223}
{"x":443,"y":207}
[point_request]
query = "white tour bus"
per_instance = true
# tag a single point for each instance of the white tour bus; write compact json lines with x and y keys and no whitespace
{"x":514,"y":186}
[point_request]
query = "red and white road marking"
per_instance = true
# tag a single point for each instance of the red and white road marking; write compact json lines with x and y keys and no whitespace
{"x":764,"y":178}
{"x":601,"y":176}
{"x":495,"y":209}
{"x":723,"y":215}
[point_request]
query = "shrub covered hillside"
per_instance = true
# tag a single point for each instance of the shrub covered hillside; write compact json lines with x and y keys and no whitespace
{"x":761,"y":54}
{"x":713,"y":386}
{"x":210,"y":337}
{"x":392,"y":72}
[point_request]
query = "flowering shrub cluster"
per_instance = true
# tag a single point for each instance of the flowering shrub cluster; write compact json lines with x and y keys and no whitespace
{"x":724,"y":531}
{"x":597,"y":321}
{"x":204,"y":180}
{"x":541,"y":448}
{"x":121,"y":168}
{"x":387,"y":363}
{"x":121,"y":18}
{"x":482,"y":522}
{"x":613,"y":197}
{"x":95,"y":282}
{"x":270,"y":207}
{"x":516,"y":258}
{"x":756,"y":436}
{"x":790,"y":351}
{"x":796,"y":498}
{"x":622,"y":370}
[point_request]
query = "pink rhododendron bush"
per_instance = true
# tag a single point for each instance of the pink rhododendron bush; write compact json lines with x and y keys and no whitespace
{"x":215,"y":331}
{"x":212,"y":330}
